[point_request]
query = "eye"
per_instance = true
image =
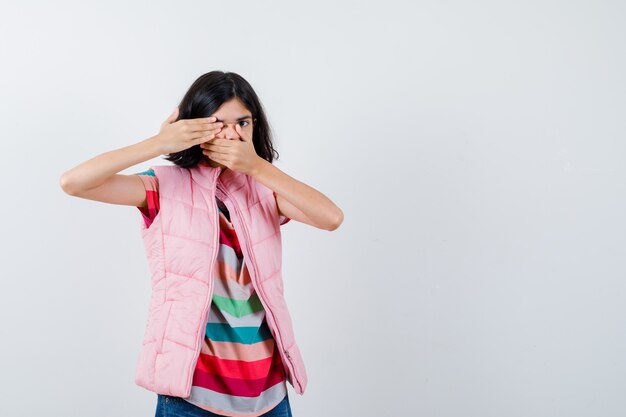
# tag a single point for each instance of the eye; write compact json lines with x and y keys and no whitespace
{"x":243,"y":121}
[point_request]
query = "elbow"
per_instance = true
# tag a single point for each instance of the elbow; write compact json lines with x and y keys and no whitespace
{"x":337,"y":222}
{"x":67,"y":185}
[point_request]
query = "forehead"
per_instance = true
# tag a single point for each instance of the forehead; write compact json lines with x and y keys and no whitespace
{"x":232,"y":110}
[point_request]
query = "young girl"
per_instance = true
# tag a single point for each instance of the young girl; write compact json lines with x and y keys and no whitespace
{"x":219,"y":338}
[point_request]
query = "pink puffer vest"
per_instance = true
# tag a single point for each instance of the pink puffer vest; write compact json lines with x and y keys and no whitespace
{"x":181,"y":246}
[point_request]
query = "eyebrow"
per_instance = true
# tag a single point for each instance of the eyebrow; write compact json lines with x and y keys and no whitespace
{"x":239,"y":119}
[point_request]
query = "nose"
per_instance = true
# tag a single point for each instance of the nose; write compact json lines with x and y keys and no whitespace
{"x":228,"y":132}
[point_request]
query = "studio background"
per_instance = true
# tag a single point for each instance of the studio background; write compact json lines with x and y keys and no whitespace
{"x":477,"y":151}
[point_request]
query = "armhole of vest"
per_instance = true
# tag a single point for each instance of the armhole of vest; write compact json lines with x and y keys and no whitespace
{"x":282,"y":219}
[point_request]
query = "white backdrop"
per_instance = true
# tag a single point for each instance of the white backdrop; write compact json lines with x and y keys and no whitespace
{"x":476,"y":149}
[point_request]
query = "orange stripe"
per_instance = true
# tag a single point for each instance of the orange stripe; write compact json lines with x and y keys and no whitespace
{"x":242,"y":351}
{"x":224,"y":270}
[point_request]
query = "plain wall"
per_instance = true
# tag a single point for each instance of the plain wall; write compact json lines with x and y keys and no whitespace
{"x":476,"y":149}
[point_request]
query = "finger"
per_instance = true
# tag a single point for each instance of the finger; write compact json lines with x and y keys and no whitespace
{"x":200,"y":135}
{"x":205,"y":144}
{"x":241,"y":133}
{"x":205,"y":127}
{"x":216,"y":151}
{"x":209,"y":119}
{"x":218,"y":143}
{"x":216,"y":157}
{"x":210,"y":146}
{"x":199,"y":140}
{"x":223,"y":143}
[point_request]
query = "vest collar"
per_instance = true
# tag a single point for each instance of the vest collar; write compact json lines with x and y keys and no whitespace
{"x":228,"y":178}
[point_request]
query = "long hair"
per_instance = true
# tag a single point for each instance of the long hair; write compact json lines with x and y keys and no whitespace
{"x":205,"y":96}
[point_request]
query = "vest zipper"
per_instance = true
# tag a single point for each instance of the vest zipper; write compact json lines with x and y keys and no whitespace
{"x":207,"y":303}
{"x":244,"y":245}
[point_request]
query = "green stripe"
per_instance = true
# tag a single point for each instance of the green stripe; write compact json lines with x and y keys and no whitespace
{"x":238,"y":308}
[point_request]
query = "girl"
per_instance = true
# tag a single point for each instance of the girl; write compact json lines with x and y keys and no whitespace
{"x":219,"y":339}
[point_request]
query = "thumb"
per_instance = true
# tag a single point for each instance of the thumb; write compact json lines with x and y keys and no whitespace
{"x":241,"y":133}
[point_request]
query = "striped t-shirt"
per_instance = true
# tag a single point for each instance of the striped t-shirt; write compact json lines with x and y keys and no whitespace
{"x":239,"y":371}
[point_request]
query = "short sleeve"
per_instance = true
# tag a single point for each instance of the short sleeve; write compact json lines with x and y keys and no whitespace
{"x":151,"y":184}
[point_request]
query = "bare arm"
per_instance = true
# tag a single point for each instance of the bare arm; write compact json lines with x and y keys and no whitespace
{"x":297,"y":200}
{"x":97,"y":178}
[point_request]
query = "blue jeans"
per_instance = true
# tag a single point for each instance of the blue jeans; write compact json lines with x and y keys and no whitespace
{"x":169,"y":406}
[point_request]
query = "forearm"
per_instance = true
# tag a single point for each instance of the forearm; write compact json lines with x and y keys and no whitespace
{"x":315,"y":205}
{"x":97,"y":170}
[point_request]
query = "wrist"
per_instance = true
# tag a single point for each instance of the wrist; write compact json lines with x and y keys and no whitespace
{"x":154,"y":144}
{"x":257,"y":166}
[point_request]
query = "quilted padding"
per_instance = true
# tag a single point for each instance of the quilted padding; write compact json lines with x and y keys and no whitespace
{"x":181,"y":247}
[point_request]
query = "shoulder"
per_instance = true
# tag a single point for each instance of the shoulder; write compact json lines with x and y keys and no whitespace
{"x":268,"y":196}
{"x":149,"y":179}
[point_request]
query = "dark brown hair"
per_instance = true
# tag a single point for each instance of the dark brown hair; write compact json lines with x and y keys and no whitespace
{"x":205,"y":96}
